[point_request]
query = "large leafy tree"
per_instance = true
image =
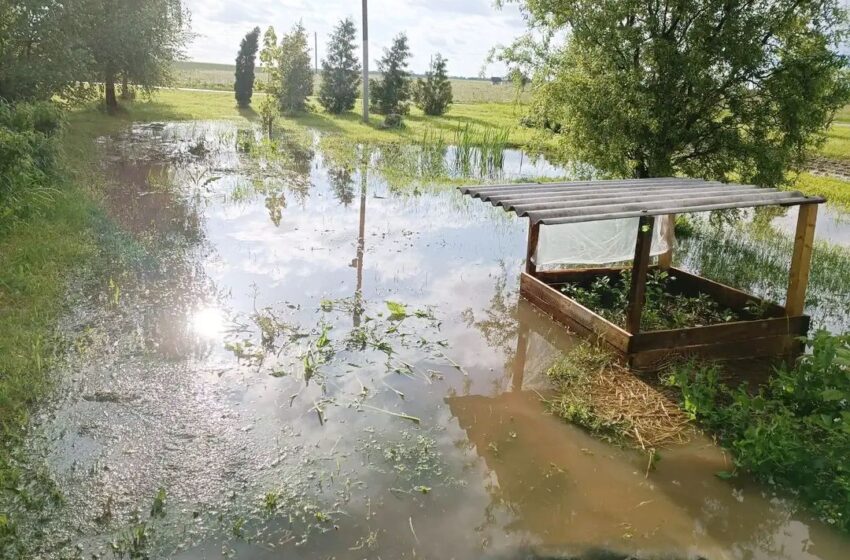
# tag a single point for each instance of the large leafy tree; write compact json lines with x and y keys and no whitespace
{"x":244,"y":83}
{"x":712,"y":88}
{"x":294,"y":75}
{"x":136,"y":41}
{"x":340,"y":70}
{"x":41,"y":51}
{"x":434,"y":94}
{"x":391,"y":94}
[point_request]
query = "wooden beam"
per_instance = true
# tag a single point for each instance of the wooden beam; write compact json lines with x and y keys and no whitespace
{"x":665,"y":259}
{"x":533,"y":237}
{"x":637,"y":291}
{"x":801,"y":260}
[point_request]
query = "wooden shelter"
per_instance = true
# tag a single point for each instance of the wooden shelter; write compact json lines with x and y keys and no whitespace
{"x":776,"y":332}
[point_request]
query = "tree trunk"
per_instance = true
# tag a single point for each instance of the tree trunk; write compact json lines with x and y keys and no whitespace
{"x":125,"y":87}
{"x":109,"y":87}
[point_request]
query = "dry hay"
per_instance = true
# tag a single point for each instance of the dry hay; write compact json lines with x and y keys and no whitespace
{"x":601,"y":394}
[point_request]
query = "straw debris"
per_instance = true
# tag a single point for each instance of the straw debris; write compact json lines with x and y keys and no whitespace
{"x":600,"y":394}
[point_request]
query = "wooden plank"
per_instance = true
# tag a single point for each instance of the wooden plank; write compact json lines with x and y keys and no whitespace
{"x":531,"y":248}
{"x":569,"y":312}
{"x":769,"y":346}
{"x":727,"y":296}
{"x":739,"y":331}
{"x":637,"y":290}
{"x":801,"y":260}
{"x":665,"y":259}
{"x":565,"y":275}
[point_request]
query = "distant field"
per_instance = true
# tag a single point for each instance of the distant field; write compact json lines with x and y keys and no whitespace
{"x":205,"y":75}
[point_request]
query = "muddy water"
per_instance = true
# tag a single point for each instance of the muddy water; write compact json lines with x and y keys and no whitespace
{"x":253,"y":374}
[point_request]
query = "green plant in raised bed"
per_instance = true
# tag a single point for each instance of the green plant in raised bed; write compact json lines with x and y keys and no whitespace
{"x":663,"y":309}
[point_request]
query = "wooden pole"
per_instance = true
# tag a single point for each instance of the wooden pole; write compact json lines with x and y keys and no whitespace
{"x":365,"y":62}
{"x":533,"y":237}
{"x":637,"y":291}
{"x":801,"y":260}
{"x":665,"y":259}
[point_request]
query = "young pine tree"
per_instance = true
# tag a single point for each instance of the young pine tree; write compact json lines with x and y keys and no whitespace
{"x":434,"y":94}
{"x":295,"y":72}
{"x":391,"y":94}
{"x":340,"y":70}
{"x":244,"y":84}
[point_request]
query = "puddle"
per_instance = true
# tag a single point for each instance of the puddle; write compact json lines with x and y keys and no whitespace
{"x":324,"y":365}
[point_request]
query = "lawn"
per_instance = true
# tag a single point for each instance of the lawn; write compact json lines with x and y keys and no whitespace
{"x":176,"y":104}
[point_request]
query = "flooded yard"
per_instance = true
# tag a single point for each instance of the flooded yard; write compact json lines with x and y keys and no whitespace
{"x":317,"y":358}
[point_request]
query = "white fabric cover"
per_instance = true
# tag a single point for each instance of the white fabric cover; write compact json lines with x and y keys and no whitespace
{"x":600,"y":242}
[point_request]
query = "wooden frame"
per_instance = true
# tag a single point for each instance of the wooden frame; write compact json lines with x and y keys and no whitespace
{"x":775,"y":334}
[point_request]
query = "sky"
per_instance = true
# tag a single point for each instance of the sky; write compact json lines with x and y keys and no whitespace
{"x":462,"y":30}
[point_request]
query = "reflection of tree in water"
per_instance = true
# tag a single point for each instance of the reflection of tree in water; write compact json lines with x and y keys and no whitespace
{"x":275,"y":203}
{"x":498,"y":325}
{"x":342,"y":184}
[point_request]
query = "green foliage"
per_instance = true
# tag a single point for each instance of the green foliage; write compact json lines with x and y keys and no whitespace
{"x":137,"y":42}
{"x":794,"y":432}
{"x":28,"y":158}
{"x":434,"y":94}
{"x":391,"y":94}
{"x":243,"y":86}
{"x":340,"y":70}
{"x":711,"y":89}
{"x":663,"y":309}
{"x":291,"y":80}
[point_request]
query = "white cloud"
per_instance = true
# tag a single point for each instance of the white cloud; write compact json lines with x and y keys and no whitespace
{"x":462,"y":30}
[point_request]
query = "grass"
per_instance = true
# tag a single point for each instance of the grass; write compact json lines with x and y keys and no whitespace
{"x":837,"y":144}
{"x":207,"y":75}
{"x":836,"y":191}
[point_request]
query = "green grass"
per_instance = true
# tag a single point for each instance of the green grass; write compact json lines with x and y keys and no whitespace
{"x":207,"y":75}
{"x":836,"y":191}
{"x":837,"y":144}
{"x":175,"y":104}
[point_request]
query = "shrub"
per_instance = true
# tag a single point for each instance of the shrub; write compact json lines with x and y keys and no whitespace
{"x":296,"y":75}
{"x":28,"y":156}
{"x":794,"y":433}
{"x":434,"y":94}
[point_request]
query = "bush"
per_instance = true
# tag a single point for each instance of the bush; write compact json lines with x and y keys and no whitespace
{"x":434,"y":94}
{"x":28,"y":156}
{"x":243,"y":86}
{"x":793,"y":433}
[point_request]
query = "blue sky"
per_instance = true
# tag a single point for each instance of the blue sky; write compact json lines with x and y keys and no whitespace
{"x":462,"y":30}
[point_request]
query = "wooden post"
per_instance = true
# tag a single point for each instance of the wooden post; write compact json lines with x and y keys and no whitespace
{"x":637,"y":291}
{"x":801,"y":260}
{"x":665,"y":259}
{"x":533,"y":236}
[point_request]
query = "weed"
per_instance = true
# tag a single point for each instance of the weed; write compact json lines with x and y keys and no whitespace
{"x":793,"y":433}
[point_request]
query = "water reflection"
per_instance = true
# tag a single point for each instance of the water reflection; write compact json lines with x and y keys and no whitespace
{"x":297,"y":413}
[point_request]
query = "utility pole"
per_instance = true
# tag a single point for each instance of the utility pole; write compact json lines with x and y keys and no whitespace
{"x":316,"y":49}
{"x":365,"y":63}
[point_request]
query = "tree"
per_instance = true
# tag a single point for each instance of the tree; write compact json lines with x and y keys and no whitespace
{"x":434,"y":94}
{"x":244,"y":84}
{"x":710,"y":88}
{"x":340,"y":70}
{"x":136,"y":41}
{"x":295,"y":75}
{"x":391,"y":94}
{"x":41,"y":50}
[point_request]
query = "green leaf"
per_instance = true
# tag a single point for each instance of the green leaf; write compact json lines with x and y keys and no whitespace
{"x":724,"y":475}
{"x":398,"y":311}
{"x":833,"y":395}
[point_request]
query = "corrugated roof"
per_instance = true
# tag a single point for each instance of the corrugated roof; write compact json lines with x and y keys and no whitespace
{"x":588,"y":201}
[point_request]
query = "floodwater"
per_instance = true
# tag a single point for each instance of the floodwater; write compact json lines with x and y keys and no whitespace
{"x":312,"y":362}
